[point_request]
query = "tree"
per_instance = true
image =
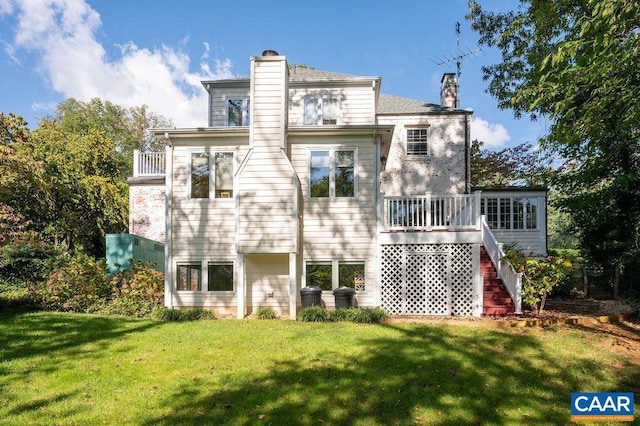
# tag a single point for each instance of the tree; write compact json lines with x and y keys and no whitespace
{"x":520,"y":165}
{"x":575,"y":63}
{"x":126,"y":127}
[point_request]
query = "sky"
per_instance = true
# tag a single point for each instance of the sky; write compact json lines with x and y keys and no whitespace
{"x":155,"y":53}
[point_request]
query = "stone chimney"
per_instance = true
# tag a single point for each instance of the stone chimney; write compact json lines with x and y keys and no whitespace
{"x":449,"y":90}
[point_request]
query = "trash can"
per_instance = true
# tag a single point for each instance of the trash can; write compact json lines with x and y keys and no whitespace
{"x":311,"y":296}
{"x":344,"y":297}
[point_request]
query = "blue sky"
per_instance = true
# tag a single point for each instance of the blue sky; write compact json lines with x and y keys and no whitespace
{"x":156,"y":52}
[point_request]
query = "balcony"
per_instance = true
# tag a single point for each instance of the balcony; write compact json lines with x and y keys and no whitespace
{"x":431,"y":212}
{"x":148,"y":164}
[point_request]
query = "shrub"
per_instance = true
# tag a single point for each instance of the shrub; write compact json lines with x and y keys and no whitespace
{"x":540,"y":277}
{"x":361,"y":315}
{"x":27,"y":258}
{"x":135,"y":292}
{"x":75,"y":287}
{"x":266,"y":313}
{"x":14,"y":294}
{"x":314,"y":314}
{"x":193,"y":314}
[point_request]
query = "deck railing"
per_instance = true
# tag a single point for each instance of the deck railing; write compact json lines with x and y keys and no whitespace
{"x":511,"y":279}
{"x":432,"y":212}
{"x":148,"y":163}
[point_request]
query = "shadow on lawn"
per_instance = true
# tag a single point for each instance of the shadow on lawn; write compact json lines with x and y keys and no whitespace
{"x":422,"y":375}
{"x":33,"y":334}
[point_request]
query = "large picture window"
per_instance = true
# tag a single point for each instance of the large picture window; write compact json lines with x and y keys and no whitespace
{"x":212,"y":170}
{"x":332,"y":173}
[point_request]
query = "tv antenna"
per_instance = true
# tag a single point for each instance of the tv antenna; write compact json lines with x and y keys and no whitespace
{"x":457,"y":58}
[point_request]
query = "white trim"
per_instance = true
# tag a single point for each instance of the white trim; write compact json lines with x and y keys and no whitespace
{"x":168,"y":215}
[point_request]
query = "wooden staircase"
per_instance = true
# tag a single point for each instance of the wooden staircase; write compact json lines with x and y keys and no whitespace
{"x":496,"y":299}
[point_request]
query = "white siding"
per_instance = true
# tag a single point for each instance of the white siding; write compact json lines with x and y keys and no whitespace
{"x":340,"y":229}
{"x":218,"y":103}
{"x":268,"y":282}
{"x":266,"y":209}
{"x":355,"y":102}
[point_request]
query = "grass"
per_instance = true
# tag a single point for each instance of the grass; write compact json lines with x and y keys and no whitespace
{"x":68,"y":369}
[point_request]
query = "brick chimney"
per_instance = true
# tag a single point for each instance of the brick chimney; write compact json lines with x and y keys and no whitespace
{"x":449,"y":90}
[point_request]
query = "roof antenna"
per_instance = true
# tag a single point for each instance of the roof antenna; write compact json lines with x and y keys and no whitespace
{"x":460,"y":54}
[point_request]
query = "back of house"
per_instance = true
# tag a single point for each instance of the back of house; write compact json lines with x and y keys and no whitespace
{"x":305,"y":178}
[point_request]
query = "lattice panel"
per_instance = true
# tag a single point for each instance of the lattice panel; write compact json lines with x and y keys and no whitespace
{"x":392,"y":278}
{"x":427,"y":279}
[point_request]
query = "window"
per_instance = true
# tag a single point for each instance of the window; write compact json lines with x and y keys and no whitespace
{"x":510,"y":213}
{"x":238,"y":112}
{"x":332,"y":174}
{"x":189,"y":277}
{"x":418,"y":142}
{"x":319,"y":275}
{"x":347,"y":274}
{"x":201,"y":165}
{"x":200,"y":175}
{"x":351,"y":274}
{"x":319,"y":110}
{"x":219,"y":277}
{"x":525,"y":212}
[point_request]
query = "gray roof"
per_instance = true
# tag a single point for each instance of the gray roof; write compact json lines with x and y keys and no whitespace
{"x":390,"y":104}
{"x":302,"y":73}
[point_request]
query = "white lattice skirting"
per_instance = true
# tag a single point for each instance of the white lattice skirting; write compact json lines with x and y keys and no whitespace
{"x":427,"y":279}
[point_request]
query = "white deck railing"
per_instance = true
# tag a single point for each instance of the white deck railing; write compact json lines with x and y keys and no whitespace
{"x":148,"y":163}
{"x":432,"y":212}
{"x":511,"y":279}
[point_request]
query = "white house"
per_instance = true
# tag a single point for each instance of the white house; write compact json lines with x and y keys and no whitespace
{"x":311,"y":178}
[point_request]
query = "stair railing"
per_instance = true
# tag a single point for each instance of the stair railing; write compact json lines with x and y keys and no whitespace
{"x":511,"y":279}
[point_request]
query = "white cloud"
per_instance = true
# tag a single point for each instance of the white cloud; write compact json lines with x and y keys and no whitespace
{"x":493,"y":135}
{"x":63,"y":32}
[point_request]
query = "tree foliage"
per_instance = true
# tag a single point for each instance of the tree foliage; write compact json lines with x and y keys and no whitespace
{"x":63,"y":183}
{"x":575,"y":63}
{"x":520,"y":165}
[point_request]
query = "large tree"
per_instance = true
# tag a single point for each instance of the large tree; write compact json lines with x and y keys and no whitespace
{"x":519,"y":165}
{"x":576,"y":63}
{"x":65,"y":180}
{"x":126,"y":127}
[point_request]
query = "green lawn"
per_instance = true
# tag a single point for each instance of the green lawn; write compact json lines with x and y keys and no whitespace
{"x":81,"y":369}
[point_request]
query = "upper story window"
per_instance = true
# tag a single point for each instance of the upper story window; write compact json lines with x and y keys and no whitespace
{"x":332,"y":173}
{"x":238,"y":112}
{"x":510,"y":213}
{"x":319,"y":110}
{"x":418,"y":142}
{"x":212,"y":170}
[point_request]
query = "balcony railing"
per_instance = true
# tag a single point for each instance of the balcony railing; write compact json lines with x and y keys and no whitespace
{"x":432,"y":212}
{"x":148,"y":163}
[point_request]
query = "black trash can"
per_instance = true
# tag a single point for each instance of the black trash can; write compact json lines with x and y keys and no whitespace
{"x":311,"y":296}
{"x":344,"y":297}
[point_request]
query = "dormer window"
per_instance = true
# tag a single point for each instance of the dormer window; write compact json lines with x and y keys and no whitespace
{"x":320,"y":110}
{"x":238,"y":112}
